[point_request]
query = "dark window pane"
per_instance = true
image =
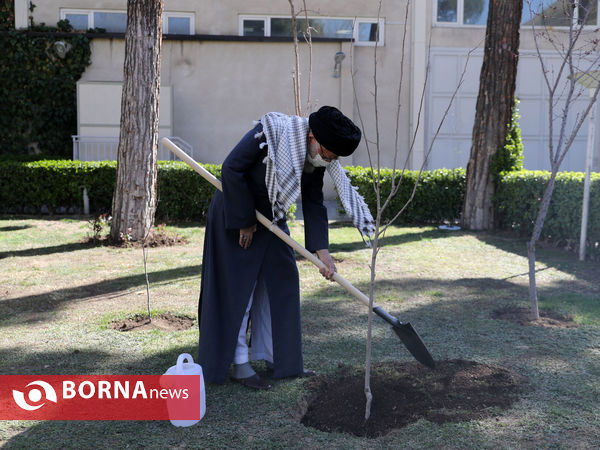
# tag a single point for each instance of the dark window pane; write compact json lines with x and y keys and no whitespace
{"x":254,"y":27}
{"x":111,"y":22}
{"x":588,"y":12}
{"x":447,"y":11}
{"x":179,"y":25}
{"x":475,"y":12}
{"x":554,"y":13}
{"x":281,"y":27}
{"x":367,"y":32}
{"x":78,"y":21}
{"x":330,"y":28}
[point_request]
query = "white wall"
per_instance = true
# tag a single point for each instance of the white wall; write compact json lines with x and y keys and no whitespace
{"x":452,"y":147}
{"x":21,"y":14}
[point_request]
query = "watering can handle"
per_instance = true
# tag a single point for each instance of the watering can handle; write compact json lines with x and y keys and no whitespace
{"x":180,"y":359}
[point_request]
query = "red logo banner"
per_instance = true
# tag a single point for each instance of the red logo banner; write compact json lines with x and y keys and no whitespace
{"x":100,"y":397}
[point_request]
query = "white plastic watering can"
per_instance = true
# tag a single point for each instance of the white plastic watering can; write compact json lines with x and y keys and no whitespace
{"x":186,"y":368}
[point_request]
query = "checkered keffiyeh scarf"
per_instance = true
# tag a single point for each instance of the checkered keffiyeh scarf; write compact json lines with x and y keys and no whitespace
{"x":286,"y":138}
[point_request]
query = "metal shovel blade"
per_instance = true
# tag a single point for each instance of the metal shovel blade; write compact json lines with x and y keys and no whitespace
{"x":409,"y":337}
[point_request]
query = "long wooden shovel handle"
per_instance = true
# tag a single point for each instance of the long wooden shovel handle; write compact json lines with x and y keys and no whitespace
{"x":267,"y":223}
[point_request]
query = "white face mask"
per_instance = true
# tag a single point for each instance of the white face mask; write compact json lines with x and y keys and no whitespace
{"x":317,"y":160}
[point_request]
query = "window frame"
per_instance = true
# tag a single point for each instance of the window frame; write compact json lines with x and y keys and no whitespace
{"x":356,"y":20}
{"x":90,"y":15}
{"x":266,"y":21}
{"x":79,"y":12}
{"x":460,"y":17}
{"x":182,"y":15}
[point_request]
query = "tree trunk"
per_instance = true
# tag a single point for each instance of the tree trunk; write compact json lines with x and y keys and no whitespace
{"x":134,"y":199}
{"x":535,"y":236}
{"x":493,"y":110}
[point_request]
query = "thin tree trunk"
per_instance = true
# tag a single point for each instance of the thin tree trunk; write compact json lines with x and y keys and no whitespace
{"x":493,"y":110}
{"x":296,"y":78}
{"x":535,"y":236}
{"x":134,"y":199}
{"x":368,"y":364}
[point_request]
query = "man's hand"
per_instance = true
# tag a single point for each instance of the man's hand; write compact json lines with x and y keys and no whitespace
{"x":326,"y":259}
{"x":246,"y":235}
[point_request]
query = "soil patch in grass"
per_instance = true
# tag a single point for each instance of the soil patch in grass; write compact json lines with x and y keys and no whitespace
{"x":548,"y":318}
{"x":403,"y":393}
{"x":153,"y":241}
{"x":166,"y":322}
{"x":157,"y":236}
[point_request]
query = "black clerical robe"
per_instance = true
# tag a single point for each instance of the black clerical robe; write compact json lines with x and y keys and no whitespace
{"x":229,"y":272}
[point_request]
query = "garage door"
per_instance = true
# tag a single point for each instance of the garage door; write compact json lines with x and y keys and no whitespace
{"x":453,"y":143}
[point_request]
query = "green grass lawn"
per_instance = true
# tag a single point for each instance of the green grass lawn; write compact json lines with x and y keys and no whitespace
{"x":58,"y":297}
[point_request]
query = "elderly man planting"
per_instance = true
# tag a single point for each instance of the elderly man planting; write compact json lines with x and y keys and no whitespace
{"x":247,"y":272}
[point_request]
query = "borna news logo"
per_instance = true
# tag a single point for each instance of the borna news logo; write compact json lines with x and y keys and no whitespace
{"x":100,"y":397}
{"x":35,"y":395}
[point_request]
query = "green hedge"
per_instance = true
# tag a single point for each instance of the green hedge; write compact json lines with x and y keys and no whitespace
{"x":518,"y":198}
{"x":56,"y":187}
{"x":438,"y":198}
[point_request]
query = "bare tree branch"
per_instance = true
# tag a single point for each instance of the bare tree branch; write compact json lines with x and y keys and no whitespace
{"x":297,"y":69}
{"x":565,"y":142}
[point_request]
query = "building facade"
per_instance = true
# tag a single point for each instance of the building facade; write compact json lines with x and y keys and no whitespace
{"x":227,"y":62}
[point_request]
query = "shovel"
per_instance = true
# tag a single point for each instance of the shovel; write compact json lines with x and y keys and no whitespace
{"x":404,"y":330}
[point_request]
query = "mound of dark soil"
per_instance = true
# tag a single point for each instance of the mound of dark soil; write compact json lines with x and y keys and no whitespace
{"x":167,"y":322}
{"x":455,"y":391}
{"x":156,"y":238}
{"x":548,"y":319}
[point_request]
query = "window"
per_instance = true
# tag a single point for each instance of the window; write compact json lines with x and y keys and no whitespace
{"x":364,"y":31}
{"x":462,"y":12}
{"x":77,"y":21}
{"x":116,"y":21}
{"x":112,"y":22}
{"x":254,"y":27}
{"x":559,"y":13}
{"x":178,"y":23}
{"x":543,"y":12}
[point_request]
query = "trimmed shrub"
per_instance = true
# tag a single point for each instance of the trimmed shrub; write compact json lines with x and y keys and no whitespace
{"x":518,"y":199}
{"x":509,"y":157}
{"x":55,"y":186}
{"x":438,"y":198}
{"x":182,"y":193}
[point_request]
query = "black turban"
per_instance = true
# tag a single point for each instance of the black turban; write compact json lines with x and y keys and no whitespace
{"x":334,"y":131}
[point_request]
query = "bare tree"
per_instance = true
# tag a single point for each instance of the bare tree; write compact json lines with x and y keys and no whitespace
{"x":134,"y":199}
{"x":578,"y":64}
{"x":374,"y":154}
{"x":296,"y":74}
{"x":493,"y":111}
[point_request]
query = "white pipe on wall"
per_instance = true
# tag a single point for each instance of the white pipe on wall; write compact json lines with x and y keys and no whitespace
{"x":21,"y":14}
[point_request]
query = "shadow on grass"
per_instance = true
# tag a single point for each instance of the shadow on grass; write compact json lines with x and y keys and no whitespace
{"x":459,"y":298}
{"x":14,"y":228}
{"x":403,"y":238}
{"x":455,"y":327}
{"x":48,"y":250}
{"x":46,"y":303}
{"x":587,"y":272}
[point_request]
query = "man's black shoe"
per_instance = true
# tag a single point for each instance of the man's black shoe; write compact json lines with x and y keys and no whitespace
{"x":254,"y":382}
